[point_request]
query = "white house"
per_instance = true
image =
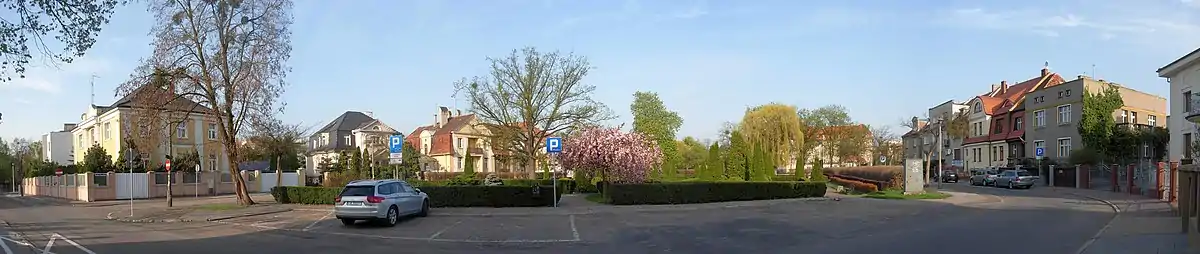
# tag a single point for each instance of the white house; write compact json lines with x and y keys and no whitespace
{"x":1184,"y":76}
{"x":57,"y":146}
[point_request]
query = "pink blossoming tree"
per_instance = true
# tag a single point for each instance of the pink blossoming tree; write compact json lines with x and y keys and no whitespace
{"x":615,"y":156}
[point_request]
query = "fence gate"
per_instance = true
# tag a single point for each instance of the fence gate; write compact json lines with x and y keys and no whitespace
{"x":1100,"y":177}
{"x":132,"y":185}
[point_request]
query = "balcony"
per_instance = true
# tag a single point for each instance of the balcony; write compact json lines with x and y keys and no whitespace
{"x":1135,"y":126}
{"x":1193,"y":110}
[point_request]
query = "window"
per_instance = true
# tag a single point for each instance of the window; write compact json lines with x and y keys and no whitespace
{"x":212,"y":131}
{"x":1068,"y":93}
{"x":461,"y":161}
{"x":212,"y":162}
{"x":181,"y":129}
{"x":1187,"y":101}
{"x":1064,"y":147}
{"x":1187,"y":145}
{"x":999,"y":127}
{"x":1017,"y":123}
{"x":1152,"y":120}
{"x":1064,"y":114}
{"x":1133,"y":117}
{"x":1060,"y":94}
{"x":1001,"y":150}
{"x":993,"y":154}
{"x":107,"y":131}
{"x":978,"y":107}
{"x":79,"y":140}
{"x":1039,"y":144}
{"x":1039,"y":118}
{"x":460,"y":143}
{"x":1124,"y":116}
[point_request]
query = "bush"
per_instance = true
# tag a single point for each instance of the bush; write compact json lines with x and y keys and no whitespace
{"x":439,"y":196}
{"x":856,"y":185}
{"x":710,"y":191}
{"x":875,"y":173}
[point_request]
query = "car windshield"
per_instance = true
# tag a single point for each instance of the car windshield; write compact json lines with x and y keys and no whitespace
{"x":990,"y":172}
{"x":358,"y":191}
{"x":1022,"y":173}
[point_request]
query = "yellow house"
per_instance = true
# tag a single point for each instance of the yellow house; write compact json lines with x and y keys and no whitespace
{"x":127,"y":122}
{"x":446,"y":144}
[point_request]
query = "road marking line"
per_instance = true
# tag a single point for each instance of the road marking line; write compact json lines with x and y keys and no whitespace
{"x":314,"y":223}
{"x":312,"y":210}
{"x":439,"y":232}
{"x":5,"y":247}
{"x":574,"y":230}
{"x":1116,"y":213}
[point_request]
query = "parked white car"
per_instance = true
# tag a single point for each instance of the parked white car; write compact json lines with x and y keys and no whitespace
{"x":383,"y":201}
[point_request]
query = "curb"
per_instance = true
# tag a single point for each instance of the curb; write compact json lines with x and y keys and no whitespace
{"x":1116,"y":211}
{"x":149,"y":220}
{"x":614,"y":209}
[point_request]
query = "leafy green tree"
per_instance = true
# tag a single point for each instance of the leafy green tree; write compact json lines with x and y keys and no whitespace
{"x":775,"y":127}
{"x":815,"y":123}
{"x":799,"y":171}
{"x":693,"y":154}
{"x":651,"y":118}
{"x":355,"y":162}
{"x":764,"y":165}
{"x":714,"y":168}
{"x":411,"y":163}
{"x":96,"y":160}
{"x":469,"y":169}
{"x":736,"y":162}
{"x":818,"y":171}
{"x":1096,"y":125}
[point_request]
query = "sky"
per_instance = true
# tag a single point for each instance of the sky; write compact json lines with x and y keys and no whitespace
{"x":885,"y":61}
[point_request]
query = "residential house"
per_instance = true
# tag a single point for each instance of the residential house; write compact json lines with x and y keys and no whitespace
{"x":190,"y":127}
{"x":349,"y":131}
{"x":951,"y":146}
{"x":1184,"y":76}
{"x":57,"y":146}
{"x":452,"y":138}
{"x":992,"y":137}
{"x":826,"y":150}
{"x":1058,"y":108}
{"x":916,"y":141}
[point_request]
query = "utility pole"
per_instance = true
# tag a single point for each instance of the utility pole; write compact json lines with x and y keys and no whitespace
{"x":941,"y":154}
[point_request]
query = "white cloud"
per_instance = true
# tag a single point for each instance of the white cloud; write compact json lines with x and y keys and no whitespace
{"x":49,"y":78}
{"x":1157,"y":25}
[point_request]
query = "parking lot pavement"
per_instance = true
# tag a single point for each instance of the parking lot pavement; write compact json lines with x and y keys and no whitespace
{"x":435,"y":228}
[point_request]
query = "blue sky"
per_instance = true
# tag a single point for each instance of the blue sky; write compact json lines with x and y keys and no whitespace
{"x":708,"y":60}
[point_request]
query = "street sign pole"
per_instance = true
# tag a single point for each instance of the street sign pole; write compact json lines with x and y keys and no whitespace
{"x":554,"y":146}
{"x":197,"y":183}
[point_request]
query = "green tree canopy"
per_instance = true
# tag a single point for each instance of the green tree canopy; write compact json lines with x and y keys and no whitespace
{"x":776,"y":127}
{"x":651,"y":118}
{"x":96,"y":160}
{"x":1097,"y":123}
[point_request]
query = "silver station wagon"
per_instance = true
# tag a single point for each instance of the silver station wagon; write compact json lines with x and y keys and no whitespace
{"x":383,"y":201}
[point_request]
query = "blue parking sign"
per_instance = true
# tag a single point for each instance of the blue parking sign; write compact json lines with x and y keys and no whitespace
{"x":1039,"y":151}
{"x":395,"y":144}
{"x":554,"y":145}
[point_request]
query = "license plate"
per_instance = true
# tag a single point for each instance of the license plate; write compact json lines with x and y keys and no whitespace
{"x":354,"y":203}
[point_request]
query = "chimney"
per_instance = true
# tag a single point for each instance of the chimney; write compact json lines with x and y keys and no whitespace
{"x":1003,"y":86}
{"x":995,"y":87}
{"x":459,"y":112}
{"x":1045,"y":71}
{"x":443,"y":116}
{"x":437,"y":121}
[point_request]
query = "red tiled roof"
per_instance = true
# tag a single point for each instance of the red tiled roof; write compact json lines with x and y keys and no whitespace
{"x":415,"y":137}
{"x":1001,"y":102}
{"x":442,"y":141}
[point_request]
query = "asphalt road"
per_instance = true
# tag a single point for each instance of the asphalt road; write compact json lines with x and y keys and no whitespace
{"x":1001,"y":221}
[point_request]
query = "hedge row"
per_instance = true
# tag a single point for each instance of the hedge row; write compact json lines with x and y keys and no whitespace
{"x":852,"y":183}
{"x":565,"y":185}
{"x":707,"y":192}
{"x":786,"y":178}
{"x":439,"y":196}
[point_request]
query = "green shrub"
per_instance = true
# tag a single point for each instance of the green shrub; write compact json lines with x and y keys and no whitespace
{"x":466,"y":179}
{"x":706,"y":192}
{"x":439,"y":196}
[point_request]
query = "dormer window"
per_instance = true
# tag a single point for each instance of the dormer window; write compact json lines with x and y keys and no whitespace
{"x":978,"y":107}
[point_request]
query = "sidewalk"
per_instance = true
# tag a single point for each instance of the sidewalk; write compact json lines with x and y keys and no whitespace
{"x":1143,"y":225}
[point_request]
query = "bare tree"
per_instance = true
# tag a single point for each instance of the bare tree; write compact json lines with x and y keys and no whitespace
{"x":277,"y":140}
{"x":881,"y":139}
{"x":533,"y":95}
{"x":160,"y":117}
{"x":230,"y":55}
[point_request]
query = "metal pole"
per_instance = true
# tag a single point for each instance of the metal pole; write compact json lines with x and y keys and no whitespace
{"x":129,"y":164}
{"x":941,"y":156}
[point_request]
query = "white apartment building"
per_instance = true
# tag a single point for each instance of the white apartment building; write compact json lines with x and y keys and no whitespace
{"x":57,"y":146}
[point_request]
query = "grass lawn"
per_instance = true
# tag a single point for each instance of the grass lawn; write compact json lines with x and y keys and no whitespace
{"x":595,"y":197}
{"x":219,"y":207}
{"x":895,"y":194}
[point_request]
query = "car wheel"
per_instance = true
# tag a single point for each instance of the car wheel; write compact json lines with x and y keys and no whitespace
{"x":347,"y":222}
{"x":424,"y":209}
{"x":393,"y":216}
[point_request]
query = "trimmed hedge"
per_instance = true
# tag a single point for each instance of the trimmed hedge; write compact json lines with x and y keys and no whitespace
{"x":786,"y":178}
{"x":439,"y":196}
{"x":709,"y":191}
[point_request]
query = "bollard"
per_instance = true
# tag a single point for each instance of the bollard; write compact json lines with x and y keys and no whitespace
{"x":1079,"y":177}
{"x":1129,"y":187}
{"x":1114,"y":170}
{"x":1051,"y":175}
{"x":1172,"y":192}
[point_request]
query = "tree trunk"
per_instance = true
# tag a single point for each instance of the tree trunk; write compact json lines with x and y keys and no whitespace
{"x":279,"y":171}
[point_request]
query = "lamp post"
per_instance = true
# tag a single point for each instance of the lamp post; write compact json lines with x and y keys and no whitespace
{"x":941,"y":156}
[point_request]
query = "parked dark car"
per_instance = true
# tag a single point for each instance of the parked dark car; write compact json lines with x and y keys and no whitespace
{"x":949,"y":176}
